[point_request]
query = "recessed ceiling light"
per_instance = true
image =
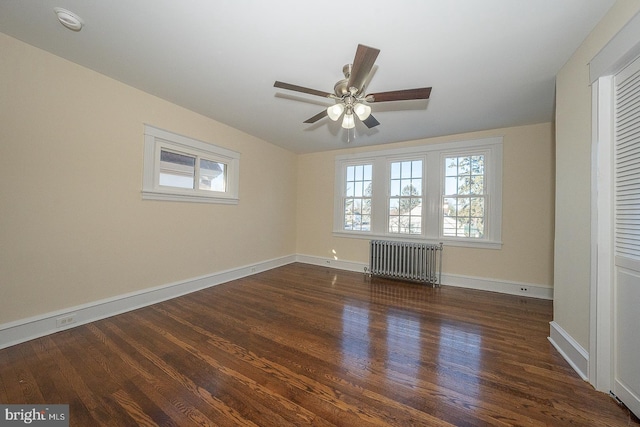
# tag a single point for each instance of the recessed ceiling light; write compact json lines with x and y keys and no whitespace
{"x":68,"y":19}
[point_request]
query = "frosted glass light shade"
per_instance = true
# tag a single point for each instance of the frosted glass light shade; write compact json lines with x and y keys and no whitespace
{"x":348,"y":122}
{"x":362,"y":111}
{"x":335,"y":111}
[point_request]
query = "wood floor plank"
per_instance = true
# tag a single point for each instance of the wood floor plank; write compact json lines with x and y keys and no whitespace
{"x":308,"y":345}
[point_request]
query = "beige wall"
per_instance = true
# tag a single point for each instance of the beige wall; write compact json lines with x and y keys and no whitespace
{"x":573,"y":176}
{"x":73,"y":226}
{"x":528,"y":205}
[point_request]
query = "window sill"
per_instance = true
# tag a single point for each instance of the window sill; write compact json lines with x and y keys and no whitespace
{"x":480,"y":244}
{"x":174,"y":197}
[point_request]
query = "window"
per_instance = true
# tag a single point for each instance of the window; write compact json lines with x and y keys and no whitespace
{"x":357,"y":198}
{"x":179,"y":168}
{"x":449,"y":192}
{"x":463,"y":200}
{"x":405,"y":201}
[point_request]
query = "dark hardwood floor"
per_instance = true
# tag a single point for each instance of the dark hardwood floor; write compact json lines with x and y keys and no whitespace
{"x":307,"y":345}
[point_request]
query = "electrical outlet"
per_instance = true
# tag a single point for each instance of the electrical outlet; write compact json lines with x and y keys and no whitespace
{"x":523,"y":289}
{"x":63,"y":321}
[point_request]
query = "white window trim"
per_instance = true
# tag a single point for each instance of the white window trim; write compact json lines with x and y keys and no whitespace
{"x":156,"y":139}
{"x":433,"y":157}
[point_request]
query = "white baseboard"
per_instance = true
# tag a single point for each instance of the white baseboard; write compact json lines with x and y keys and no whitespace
{"x":569,"y":348}
{"x":27,"y":329}
{"x":332,"y":263}
{"x":479,"y":283}
{"x":497,"y":285}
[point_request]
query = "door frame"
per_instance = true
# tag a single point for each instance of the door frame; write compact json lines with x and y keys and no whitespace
{"x":621,"y":50}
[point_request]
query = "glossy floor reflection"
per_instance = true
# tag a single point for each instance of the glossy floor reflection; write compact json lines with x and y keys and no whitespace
{"x":308,"y":345}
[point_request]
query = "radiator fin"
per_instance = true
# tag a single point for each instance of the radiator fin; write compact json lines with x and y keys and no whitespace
{"x":417,"y":262}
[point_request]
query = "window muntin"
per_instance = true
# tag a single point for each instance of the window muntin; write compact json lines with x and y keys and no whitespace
{"x":357,"y":197}
{"x":463,"y":203}
{"x":179,"y":168}
{"x":405,"y":199}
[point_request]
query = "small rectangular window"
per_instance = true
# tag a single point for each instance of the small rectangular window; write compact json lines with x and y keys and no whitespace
{"x":179,"y":168}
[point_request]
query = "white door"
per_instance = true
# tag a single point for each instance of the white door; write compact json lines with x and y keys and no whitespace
{"x":626,"y":287}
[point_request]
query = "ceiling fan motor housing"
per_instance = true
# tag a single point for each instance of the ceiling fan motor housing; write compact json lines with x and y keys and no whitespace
{"x":342,"y":87}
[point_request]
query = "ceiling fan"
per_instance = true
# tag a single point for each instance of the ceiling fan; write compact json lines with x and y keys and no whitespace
{"x":349,"y":93}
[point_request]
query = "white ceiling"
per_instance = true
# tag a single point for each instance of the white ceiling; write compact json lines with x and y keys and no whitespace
{"x":491,"y":63}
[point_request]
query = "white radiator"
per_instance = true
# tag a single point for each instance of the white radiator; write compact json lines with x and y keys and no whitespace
{"x":417,"y":262}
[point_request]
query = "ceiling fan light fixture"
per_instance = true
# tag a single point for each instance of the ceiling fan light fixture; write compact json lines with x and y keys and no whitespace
{"x":363,"y":111}
{"x":335,"y":111}
{"x":348,"y":122}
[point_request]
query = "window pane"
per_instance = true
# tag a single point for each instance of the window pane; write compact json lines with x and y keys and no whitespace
{"x":451,"y":166}
{"x":477,"y":184}
{"x":451,"y":185}
{"x":349,"y":191}
{"x":366,"y":206}
{"x":407,"y":187}
{"x":464,"y":165}
{"x":177,"y":170}
{"x":417,"y":187}
{"x":358,"y":189}
{"x":367,"y":172}
{"x":351,"y":173}
{"x":415,"y":227}
{"x":476,"y":228}
{"x":395,"y":170}
{"x":416,"y":169}
{"x":395,"y":187}
{"x":477,"y":165}
{"x":394,"y":206}
{"x":405,"y":170}
{"x":212,"y":176}
{"x":477,"y":207}
{"x":463,"y":185}
{"x":367,"y":189}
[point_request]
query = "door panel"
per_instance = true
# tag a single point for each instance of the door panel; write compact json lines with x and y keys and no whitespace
{"x":626,"y":288}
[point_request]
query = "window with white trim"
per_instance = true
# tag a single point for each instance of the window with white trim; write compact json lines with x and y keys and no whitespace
{"x":463,"y":205}
{"x":450,"y":192}
{"x":179,"y":168}
{"x":405,"y":197}
{"x":357,"y":197}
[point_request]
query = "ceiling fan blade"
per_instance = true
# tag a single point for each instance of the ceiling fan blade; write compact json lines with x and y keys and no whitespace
{"x":362,"y":65}
{"x":317,"y":117}
{"x":400,"y":95}
{"x":302,"y":89}
{"x":371,"y":122}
